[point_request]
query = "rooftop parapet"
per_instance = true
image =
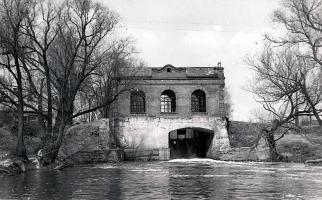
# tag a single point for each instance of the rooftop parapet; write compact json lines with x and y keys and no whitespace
{"x":171,"y":72}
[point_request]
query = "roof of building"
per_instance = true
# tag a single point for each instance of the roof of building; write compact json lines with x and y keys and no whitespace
{"x":169,"y":72}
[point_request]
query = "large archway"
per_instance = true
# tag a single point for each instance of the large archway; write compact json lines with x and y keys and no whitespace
{"x":190,"y":142}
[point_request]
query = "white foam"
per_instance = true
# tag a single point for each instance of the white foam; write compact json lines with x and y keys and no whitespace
{"x":207,"y":160}
{"x":200,"y":175}
{"x":105,"y":166}
{"x":192,"y":160}
{"x":144,"y":170}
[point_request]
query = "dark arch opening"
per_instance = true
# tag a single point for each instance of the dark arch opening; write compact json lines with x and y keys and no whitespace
{"x":190,"y":142}
{"x":168,"y":101}
{"x":137,"y":100}
{"x":198,"y":101}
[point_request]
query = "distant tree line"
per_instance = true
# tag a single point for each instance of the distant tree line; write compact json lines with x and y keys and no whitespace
{"x":288,"y":81}
{"x":58,"y":62}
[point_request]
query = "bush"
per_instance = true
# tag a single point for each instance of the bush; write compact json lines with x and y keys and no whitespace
{"x":6,"y":118}
{"x":31,"y":128}
{"x":243,"y":134}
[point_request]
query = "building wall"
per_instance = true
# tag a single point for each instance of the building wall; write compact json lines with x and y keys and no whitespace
{"x":151,"y":129}
{"x":183,"y":90}
{"x":139,"y":132}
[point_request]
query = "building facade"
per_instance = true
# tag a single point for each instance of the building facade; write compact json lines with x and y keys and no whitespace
{"x":178,"y":110}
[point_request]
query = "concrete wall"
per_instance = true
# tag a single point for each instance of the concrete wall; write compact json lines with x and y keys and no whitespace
{"x":255,"y":153}
{"x":140,"y":132}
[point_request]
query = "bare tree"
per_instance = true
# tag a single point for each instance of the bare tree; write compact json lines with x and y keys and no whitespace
{"x":99,"y":90}
{"x":53,"y":56}
{"x":78,"y":50}
{"x":278,"y":84}
{"x":302,"y":20}
{"x":41,"y":30}
{"x":13,"y":43}
{"x":260,"y":115}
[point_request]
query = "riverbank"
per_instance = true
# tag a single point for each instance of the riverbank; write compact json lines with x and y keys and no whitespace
{"x":294,"y":146}
{"x":89,"y":142}
{"x":8,"y":143}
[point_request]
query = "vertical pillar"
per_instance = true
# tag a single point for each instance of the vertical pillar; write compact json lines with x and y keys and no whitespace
{"x":222,"y":110}
{"x":220,"y":143}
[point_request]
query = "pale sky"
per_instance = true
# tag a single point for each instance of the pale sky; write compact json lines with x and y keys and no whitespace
{"x":200,"y":33}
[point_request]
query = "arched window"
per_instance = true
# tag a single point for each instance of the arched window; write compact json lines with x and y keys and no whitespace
{"x":198,"y":101}
{"x":137,"y":102}
{"x":168,"y":101}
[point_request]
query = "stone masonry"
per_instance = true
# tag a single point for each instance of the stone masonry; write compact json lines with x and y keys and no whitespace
{"x":150,"y":129}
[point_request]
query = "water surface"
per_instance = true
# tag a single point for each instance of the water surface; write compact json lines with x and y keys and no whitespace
{"x":176,"y":179}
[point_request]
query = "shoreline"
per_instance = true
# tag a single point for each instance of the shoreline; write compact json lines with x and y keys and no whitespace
{"x":32,"y":165}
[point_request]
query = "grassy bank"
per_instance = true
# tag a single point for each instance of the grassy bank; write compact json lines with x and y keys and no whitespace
{"x":295,"y":146}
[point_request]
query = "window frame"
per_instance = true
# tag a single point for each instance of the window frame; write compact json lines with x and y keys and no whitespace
{"x":168,"y":102}
{"x":198,"y":101}
{"x":137,"y":102}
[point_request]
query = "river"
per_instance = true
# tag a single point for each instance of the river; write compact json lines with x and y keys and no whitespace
{"x":175,"y":179}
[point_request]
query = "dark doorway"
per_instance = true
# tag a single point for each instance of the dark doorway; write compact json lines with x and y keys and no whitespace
{"x":189,"y":143}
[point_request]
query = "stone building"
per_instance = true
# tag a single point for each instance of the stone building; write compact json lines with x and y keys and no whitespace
{"x":174,"y":111}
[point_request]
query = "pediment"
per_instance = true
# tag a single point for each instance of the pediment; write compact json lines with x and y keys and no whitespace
{"x":169,"y":71}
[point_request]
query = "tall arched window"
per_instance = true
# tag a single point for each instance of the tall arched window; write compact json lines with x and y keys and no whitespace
{"x":168,"y":101}
{"x":137,"y":102}
{"x":198,"y":101}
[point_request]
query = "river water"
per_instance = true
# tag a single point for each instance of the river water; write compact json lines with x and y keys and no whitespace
{"x":175,"y":179}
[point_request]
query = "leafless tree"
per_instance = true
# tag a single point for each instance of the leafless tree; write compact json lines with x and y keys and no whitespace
{"x":13,"y":42}
{"x":77,"y":52}
{"x":280,"y":86}
{"x":41,"y":30}
{"x":302,"y":20}
{"x":57,"y":54}
{"x":100,"y":89}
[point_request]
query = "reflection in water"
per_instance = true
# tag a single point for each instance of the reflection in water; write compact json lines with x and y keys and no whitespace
{"x":177,"y":179}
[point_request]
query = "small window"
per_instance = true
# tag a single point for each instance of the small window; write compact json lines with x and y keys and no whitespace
{"x":137,"y":102}
{"x":198,"y":101}
{"x":168,"y":69}
{"x":168,"y":101}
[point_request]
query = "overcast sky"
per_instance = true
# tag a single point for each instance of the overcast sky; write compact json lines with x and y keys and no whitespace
{"x":200,"y":33}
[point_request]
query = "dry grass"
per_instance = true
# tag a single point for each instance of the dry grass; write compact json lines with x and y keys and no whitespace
{"x":302,"y":146}
{"x":243,"y":134}
{"x":296,"y":147}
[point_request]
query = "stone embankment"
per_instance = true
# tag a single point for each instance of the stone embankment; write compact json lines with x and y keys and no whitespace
{"x":89,"y":143}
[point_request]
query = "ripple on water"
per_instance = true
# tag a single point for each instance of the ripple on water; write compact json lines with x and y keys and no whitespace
{"x":175,"y":179}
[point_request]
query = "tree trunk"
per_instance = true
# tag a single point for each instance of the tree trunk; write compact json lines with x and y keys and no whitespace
{"x":315,"y":113}
{"x":297,"y":121}
{"x":275,"y":156}
{"x":63,"y":114}
{"x":49,"y":103}
{"x":57,"y":122}
{"x":20,"y":148}
{"x":69,"y":112}
{"x":269,"y":136}
{"x":40,"y":110}
{"x":52,"y":149}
